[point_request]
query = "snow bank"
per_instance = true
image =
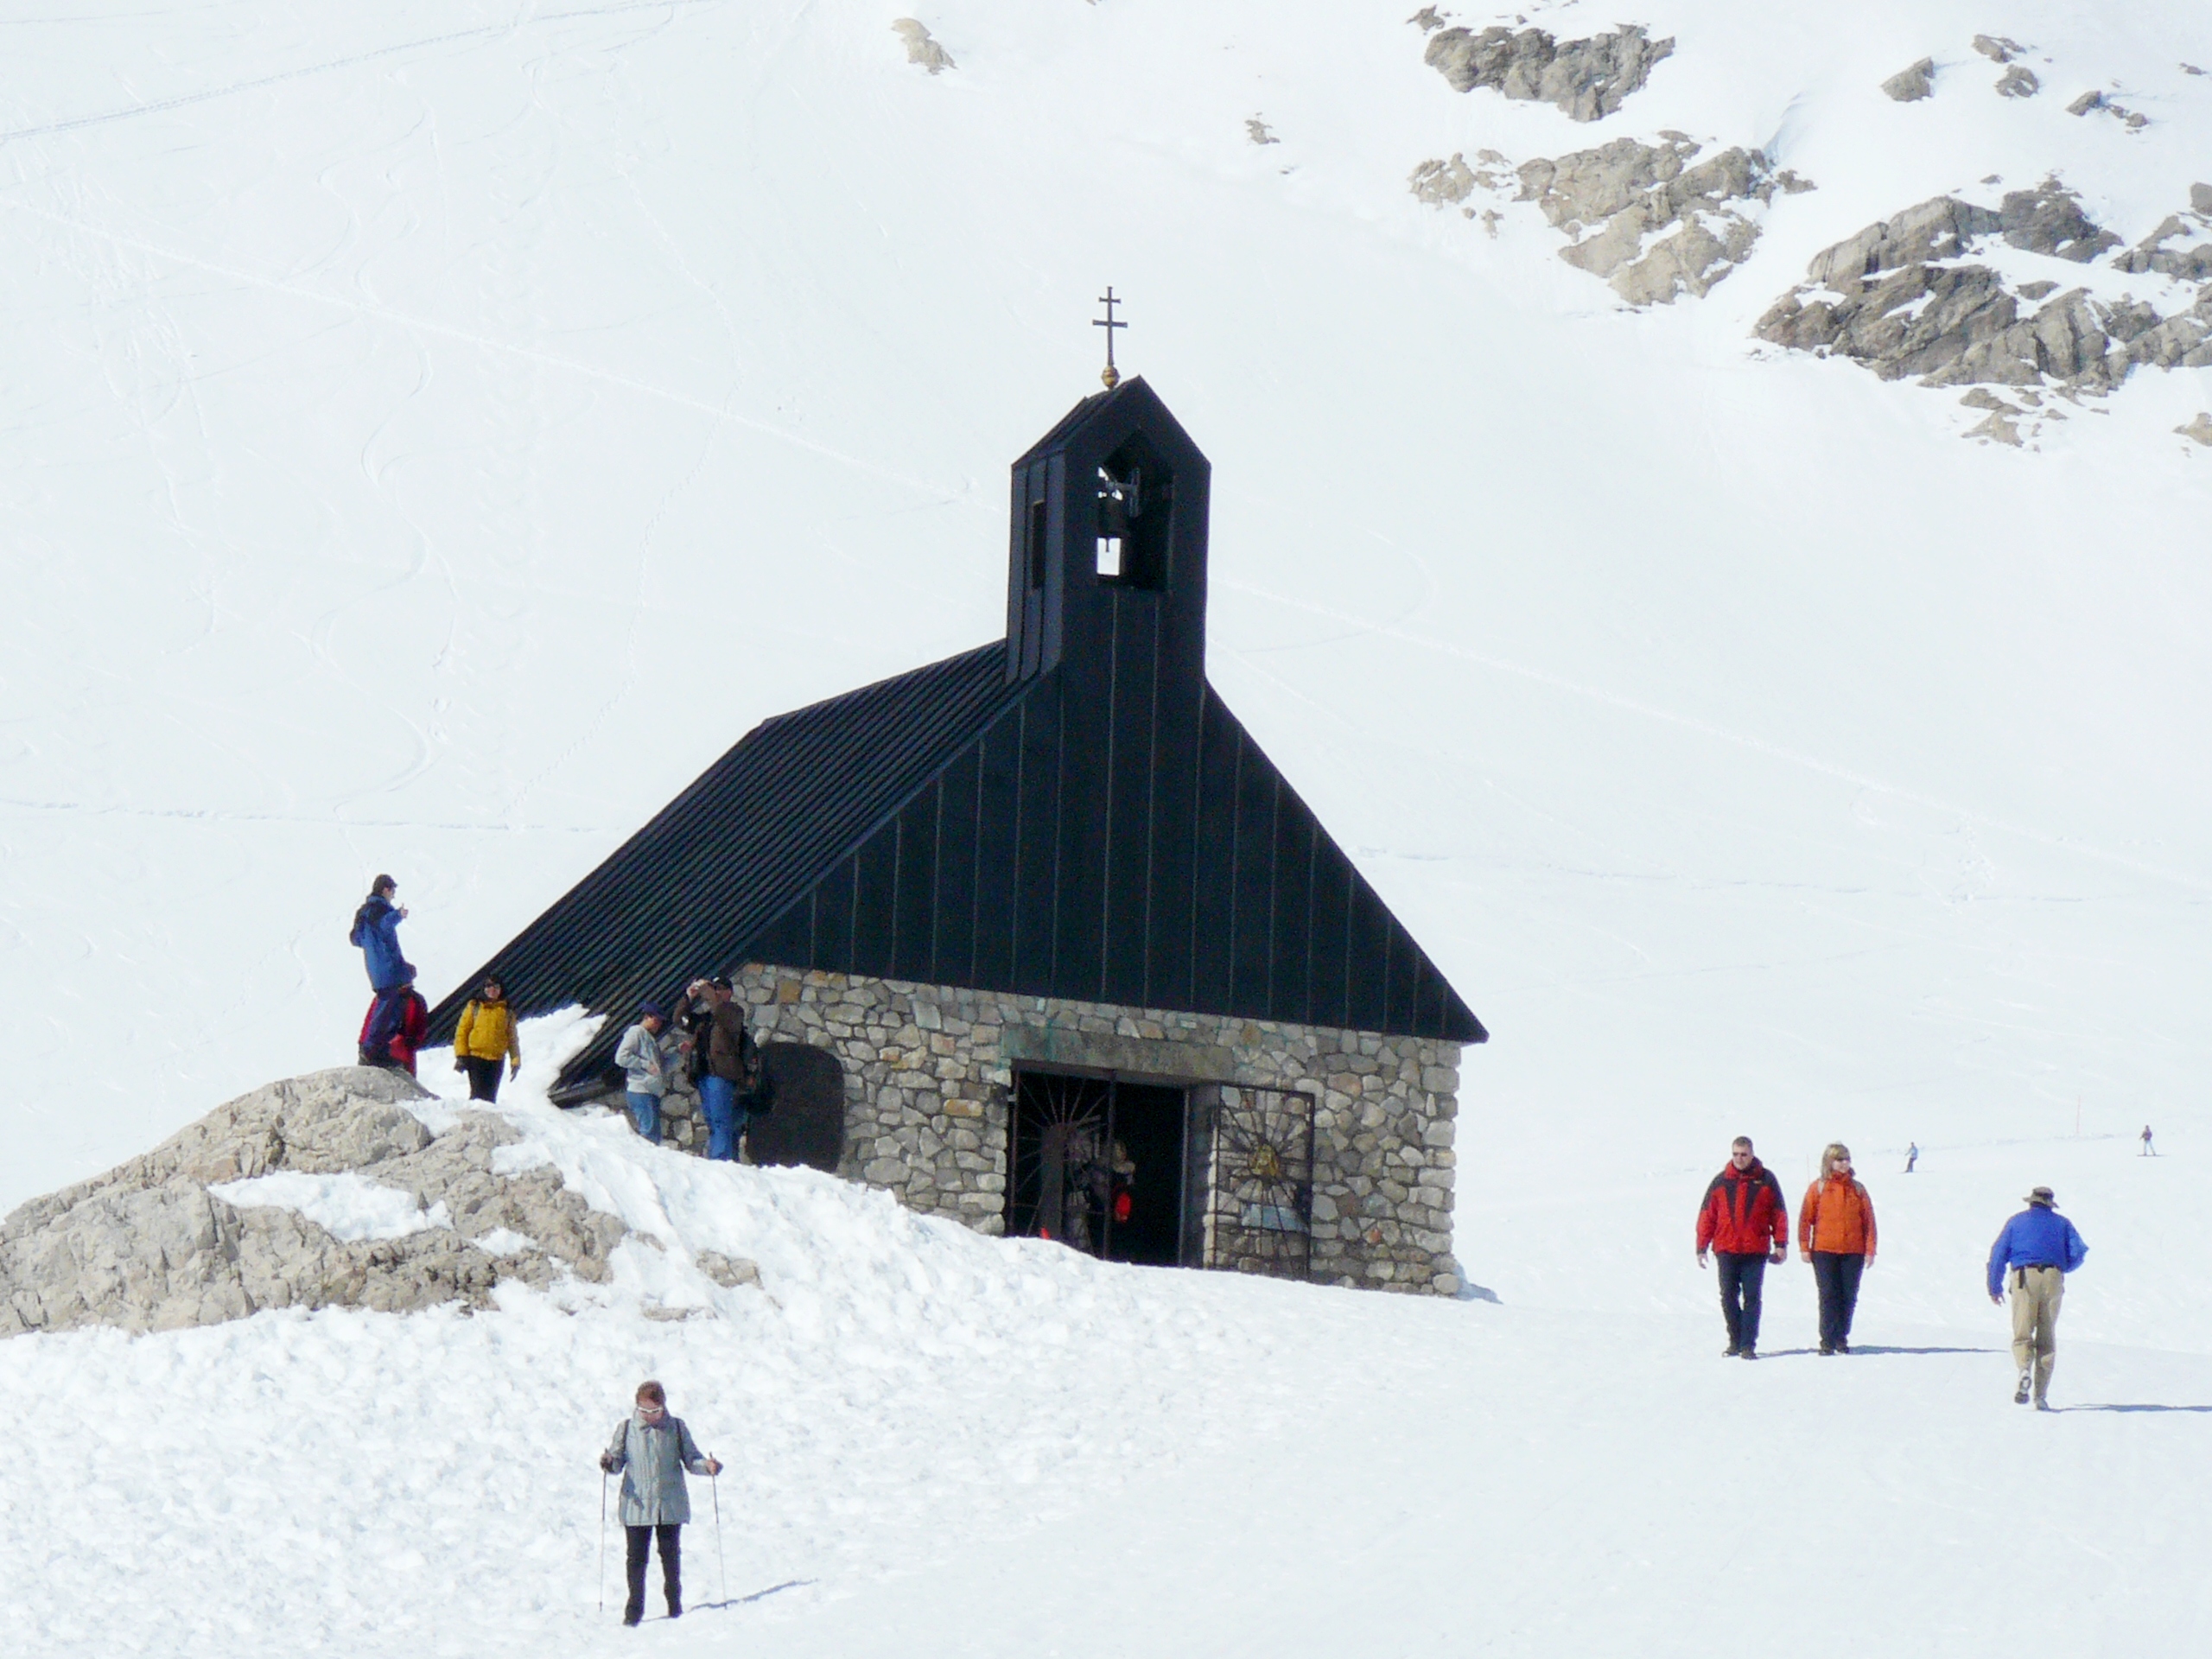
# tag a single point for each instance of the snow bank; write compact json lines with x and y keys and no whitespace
{"x":347,"y":1206}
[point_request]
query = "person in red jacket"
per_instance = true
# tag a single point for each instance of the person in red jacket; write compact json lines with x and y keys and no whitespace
{"x":397,"y":1021}
{"x":1744,"y":1222}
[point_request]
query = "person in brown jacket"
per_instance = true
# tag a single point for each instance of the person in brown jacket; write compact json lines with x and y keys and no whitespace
{"x":732,"y":1065}
{"x":1835,"y":1233}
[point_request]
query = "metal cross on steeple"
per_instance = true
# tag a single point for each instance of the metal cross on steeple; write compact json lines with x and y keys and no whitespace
{"x":1112,"y":376}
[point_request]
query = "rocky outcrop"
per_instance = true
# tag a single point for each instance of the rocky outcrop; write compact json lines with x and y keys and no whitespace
{"x":1904,"y":298}
{"x":1910,"y":85}
{"x":920,"y":48}
{"x":1588,"y":80}
{"x":2152,"y":255}
{"x":153,"y":1245}
{"x":2132,"y":120}
{"x":1652,"y":219}
{"x":1647,"y":219}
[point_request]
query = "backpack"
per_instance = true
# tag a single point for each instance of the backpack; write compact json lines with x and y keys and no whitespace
{"x":754,"y":1089}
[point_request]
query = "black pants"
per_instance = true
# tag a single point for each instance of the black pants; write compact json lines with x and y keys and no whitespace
{"x":671,"y":1567}
{"x":1837,"y":1276}
{"x":1742,"y":1278}
{"x":483,"y":1077}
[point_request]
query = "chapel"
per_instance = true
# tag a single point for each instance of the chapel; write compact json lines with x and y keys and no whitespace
{"x":1037,"y":939}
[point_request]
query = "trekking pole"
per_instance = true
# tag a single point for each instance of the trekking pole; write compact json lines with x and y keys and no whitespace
{"x":602,"y":1540}
{"x":720,"y":1560}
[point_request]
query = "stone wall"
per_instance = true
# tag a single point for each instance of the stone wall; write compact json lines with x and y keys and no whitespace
{"x":928,"y":1073}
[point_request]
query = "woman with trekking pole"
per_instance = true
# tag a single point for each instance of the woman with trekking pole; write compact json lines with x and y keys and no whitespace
{"x":652,"y":1450}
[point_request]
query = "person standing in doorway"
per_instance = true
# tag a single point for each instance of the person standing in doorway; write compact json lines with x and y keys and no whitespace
{"x":484,"y":1036}
{"x":2037,"y":1250}
{"x":1744,"y":1222}
{"x":729,"y":1067}
{"x":652,"y":1450}
{"x":645,"y":1071}
{"x":1912,"y":1156}
{"x":1835,"y":1233}
{"x":2147,"y":1150}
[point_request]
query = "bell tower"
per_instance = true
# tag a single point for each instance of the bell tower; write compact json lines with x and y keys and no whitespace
{"x":1108,"y":535}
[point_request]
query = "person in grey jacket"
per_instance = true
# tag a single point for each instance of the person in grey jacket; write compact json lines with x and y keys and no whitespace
{"x":652,"y":1450}
{"x":645,"y":1071}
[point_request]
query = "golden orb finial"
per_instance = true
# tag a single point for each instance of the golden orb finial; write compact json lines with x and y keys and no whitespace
{"x":1111,"y":376}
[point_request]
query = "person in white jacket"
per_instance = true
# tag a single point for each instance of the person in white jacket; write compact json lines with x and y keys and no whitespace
{"x":652,"y":1450}
{"x":645,"y":1071}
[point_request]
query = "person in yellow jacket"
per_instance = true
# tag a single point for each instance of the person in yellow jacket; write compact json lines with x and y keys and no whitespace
{"x":1835,"y":1233}
{"x":485,"y":1036}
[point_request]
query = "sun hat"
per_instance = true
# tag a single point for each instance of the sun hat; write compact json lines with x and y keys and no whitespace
{"x":2043,"y":1195}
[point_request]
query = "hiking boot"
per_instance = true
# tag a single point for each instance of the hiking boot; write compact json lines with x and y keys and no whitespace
{"x":1732,"y":1351}
{"x":2043,"y":1405}
{"x":1747,"y":1351}
{"x":632,"y":1614}
{"x":675,"y":1605}
{"x":2027,"y":1383}
{"x":1842,"y":1346}
{"x":1827,"y":1348}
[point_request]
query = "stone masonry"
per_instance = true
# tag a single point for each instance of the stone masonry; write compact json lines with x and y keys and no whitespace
{"x":929,"y":1076}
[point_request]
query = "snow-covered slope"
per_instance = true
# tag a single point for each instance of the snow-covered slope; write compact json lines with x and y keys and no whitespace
{"x":943,"y":1444}
{"x":435,"y":431}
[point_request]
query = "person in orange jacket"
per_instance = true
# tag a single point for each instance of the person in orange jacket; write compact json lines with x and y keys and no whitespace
{"x":1835,"y":1233}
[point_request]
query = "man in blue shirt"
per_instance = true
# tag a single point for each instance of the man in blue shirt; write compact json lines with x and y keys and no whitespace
{"x":2038,"y":1248}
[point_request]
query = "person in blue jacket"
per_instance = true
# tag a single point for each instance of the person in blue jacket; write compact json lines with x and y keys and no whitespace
{"x":376,"y":930}
{"x":2037,"y":1250}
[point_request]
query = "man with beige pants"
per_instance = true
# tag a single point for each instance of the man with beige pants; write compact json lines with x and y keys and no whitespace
{"x":2037,"y":1250}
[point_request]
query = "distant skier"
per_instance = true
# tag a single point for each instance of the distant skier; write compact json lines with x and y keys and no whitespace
{"x":1835,"y":1233}
{"x":1912,"y":1156}
{"x":2037,"y":1250}
{"x":2148,"y":1150}
{"x":645,"y":1071}
{"x":1744,"y":1221}
{"x":485,"y":1036}
{"x":399,"y":1019}
{"x":376,"y":930}
{"x":651,"y":1450}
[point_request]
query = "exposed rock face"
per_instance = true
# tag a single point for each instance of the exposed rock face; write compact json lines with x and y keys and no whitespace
{"x":2199,"y":429}
{"x":2095,"y":100}
{"x":1900,"y":298}
{"x":920,"y":48}
{"x":2192,"y":265}
{"x":148,"y":1247}
{"x":1641,"y":216}
{"x":1588,"y":80}
{"x":2018,"y":82}
{"x":1911,"y":86}
{"x":1997,"y":49}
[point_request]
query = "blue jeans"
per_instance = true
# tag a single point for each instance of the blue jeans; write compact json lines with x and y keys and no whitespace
{"x":645,"y":1112}
{"x":718,"y":1099}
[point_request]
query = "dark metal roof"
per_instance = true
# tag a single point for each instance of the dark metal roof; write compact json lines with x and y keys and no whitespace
{"x":1072,"y":813}
{"x":753,"y":835}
